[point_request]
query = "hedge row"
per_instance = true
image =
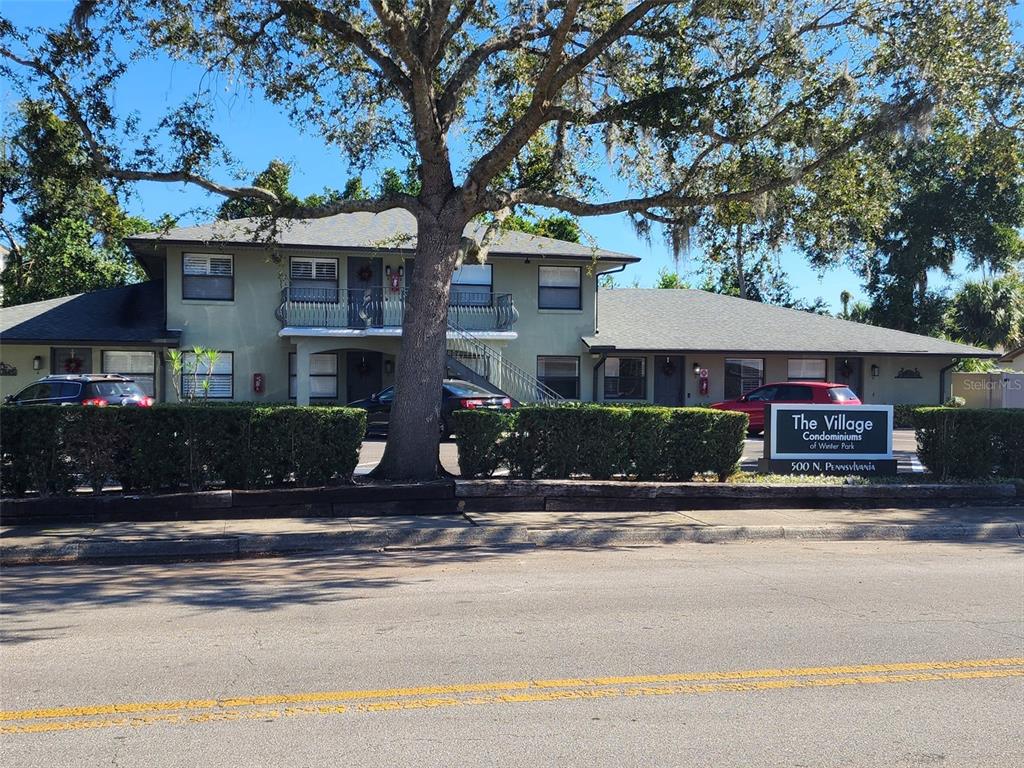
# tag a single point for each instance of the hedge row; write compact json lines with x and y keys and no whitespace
{"x":970,"y":443}
{"x":170,"y":447}
{"x":600,"y":441}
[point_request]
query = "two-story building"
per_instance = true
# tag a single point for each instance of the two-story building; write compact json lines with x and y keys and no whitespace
{"x":315,"y":317}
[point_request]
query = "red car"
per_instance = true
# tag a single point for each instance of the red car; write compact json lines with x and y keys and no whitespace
{"x":819,"y":392}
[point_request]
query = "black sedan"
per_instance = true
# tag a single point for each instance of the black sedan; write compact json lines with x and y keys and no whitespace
{"x":456,"y":395}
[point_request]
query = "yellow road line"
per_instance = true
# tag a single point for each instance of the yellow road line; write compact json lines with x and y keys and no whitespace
{"x":215,"y":706}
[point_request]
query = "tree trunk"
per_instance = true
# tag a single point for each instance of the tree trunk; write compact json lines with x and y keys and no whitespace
{"x":741,"y":278}
{"x":414,"y":433}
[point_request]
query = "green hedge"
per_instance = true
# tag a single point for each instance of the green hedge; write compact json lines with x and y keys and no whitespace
{"x":970,"y":443}
{"x":170,"y":447}
{"x":903,"y":415}
{"x":558,"y":442}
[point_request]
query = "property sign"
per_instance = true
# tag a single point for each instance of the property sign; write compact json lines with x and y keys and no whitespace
{"x":828,"y":439}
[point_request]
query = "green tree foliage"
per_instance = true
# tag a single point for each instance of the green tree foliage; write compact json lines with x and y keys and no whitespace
{"x":989,"y":312}
{"x":691,"y":105}
{"x":957,"y":194}
{"x":69,"y":236}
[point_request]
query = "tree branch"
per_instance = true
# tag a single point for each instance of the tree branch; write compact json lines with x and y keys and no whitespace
{"x":888,"y":118}
{"x":103,"y":167}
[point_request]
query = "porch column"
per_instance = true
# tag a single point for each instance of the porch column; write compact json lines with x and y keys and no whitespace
{"x":302,"y":352}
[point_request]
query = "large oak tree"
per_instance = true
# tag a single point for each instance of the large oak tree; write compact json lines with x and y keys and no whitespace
{"x":538,"y":104}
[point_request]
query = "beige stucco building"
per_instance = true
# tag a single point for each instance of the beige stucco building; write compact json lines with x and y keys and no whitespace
{"x":316,"y":318}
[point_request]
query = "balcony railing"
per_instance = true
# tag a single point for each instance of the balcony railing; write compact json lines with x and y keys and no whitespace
{"x":303,"y":307}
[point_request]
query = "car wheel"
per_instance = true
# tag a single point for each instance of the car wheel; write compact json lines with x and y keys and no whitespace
{"x":754,"y":432}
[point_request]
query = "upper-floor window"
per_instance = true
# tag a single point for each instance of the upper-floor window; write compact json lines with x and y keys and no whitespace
{"x":559,"y":288}
{"x":208,"y":276}
{"x":472,"y":285}
{"x":313,"y":279}
{"x":807,"y":369}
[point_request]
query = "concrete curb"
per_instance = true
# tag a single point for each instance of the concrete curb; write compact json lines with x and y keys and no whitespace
{"x":496,"y":537}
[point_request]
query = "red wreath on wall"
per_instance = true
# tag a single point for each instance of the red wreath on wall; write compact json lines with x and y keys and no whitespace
{"x":366,"y":273}
{"x":73,"y":365}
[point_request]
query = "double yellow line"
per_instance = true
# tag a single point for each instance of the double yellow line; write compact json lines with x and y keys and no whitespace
{"x":324,"y":703}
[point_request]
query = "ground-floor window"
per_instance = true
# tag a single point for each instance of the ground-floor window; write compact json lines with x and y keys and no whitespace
{"x":139,"y":365}
{"x":220,"y":375}
{"x":808,"y":369}
{"x":562,"y":374}
{"x":625,"y":378}
{"x":742,"y":374}
{"x":71,"y":360}
{"x":323,"y":375}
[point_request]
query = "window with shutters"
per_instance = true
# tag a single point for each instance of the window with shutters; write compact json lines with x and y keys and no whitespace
{"x":220,"y":376}
{"x":208,"y":276}
{"x":138,"y":365}
{"x":323,"y":376}
{"x":559,"y":288}
{"x":313,"y":279}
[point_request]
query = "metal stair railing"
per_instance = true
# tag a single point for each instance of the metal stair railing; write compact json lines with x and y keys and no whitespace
{"x":487,"y":362}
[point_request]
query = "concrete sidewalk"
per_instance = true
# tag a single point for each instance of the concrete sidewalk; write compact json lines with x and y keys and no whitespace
{"x":226,"y":539}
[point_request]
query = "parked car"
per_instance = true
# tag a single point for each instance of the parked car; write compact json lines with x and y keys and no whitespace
{"x":98,"y":390}
{"x":817,"y":392}
{"x":456,"y":395}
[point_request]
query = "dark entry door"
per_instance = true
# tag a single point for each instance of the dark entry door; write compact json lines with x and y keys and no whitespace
{"x":850,"y":371}
{"x":365,"y":292}
{"x":362,"y":374}
{"x":668,"y":380}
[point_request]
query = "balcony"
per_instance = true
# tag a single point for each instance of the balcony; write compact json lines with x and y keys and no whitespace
{"x":378,"y":311}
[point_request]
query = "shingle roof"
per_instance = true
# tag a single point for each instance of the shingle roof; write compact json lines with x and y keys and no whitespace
{"x":131,"y":313}
{"x":393,"y":230}
{"x":643,"y":319}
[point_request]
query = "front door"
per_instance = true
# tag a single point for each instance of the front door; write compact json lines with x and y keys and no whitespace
{"x":362,"y":374}
{"x":668,"y":380}
{"x":365,"y":292}
{"x":850,"y":371}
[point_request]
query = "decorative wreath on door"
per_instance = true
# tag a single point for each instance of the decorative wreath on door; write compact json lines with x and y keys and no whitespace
{"x":669,"y":367}
{"x":365,"y":273}
{"x":73,"y":365}
{"x":845,"y":369}
{"x":364,"y":367}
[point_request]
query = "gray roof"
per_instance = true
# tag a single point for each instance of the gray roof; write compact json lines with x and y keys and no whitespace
{"x":131,"y":313}
{"x":658,"y":320}
{"x":393,"y":230}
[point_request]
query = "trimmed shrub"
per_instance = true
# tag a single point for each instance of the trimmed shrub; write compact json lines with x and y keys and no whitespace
{"x":168,"y":447}
{"x":903,"y":415}
{"x":1009,"y":440}
{"x":603,"y":437}
{"x":648,"y":434}
{"x":557,"y":442}
{"x":957,"y":442}
{"x":30,"y":459}
{"x":481,"y":439}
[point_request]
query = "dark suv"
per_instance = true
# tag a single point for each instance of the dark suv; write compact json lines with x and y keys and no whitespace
{"x":101,"y":389}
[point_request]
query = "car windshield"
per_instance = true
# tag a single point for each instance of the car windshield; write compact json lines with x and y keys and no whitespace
{"x":464,"y":389}
{"x":841,"y":395}
{"x":114,"y":389}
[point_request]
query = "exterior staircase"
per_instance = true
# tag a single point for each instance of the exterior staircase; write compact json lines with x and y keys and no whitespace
{"x":473,"y":360}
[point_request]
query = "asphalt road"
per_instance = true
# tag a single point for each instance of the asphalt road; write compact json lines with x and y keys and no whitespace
{"x":785,"y":654}
{"x":903,"y":442}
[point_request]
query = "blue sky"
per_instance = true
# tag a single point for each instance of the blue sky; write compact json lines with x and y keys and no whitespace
{"x":257,"y":133}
